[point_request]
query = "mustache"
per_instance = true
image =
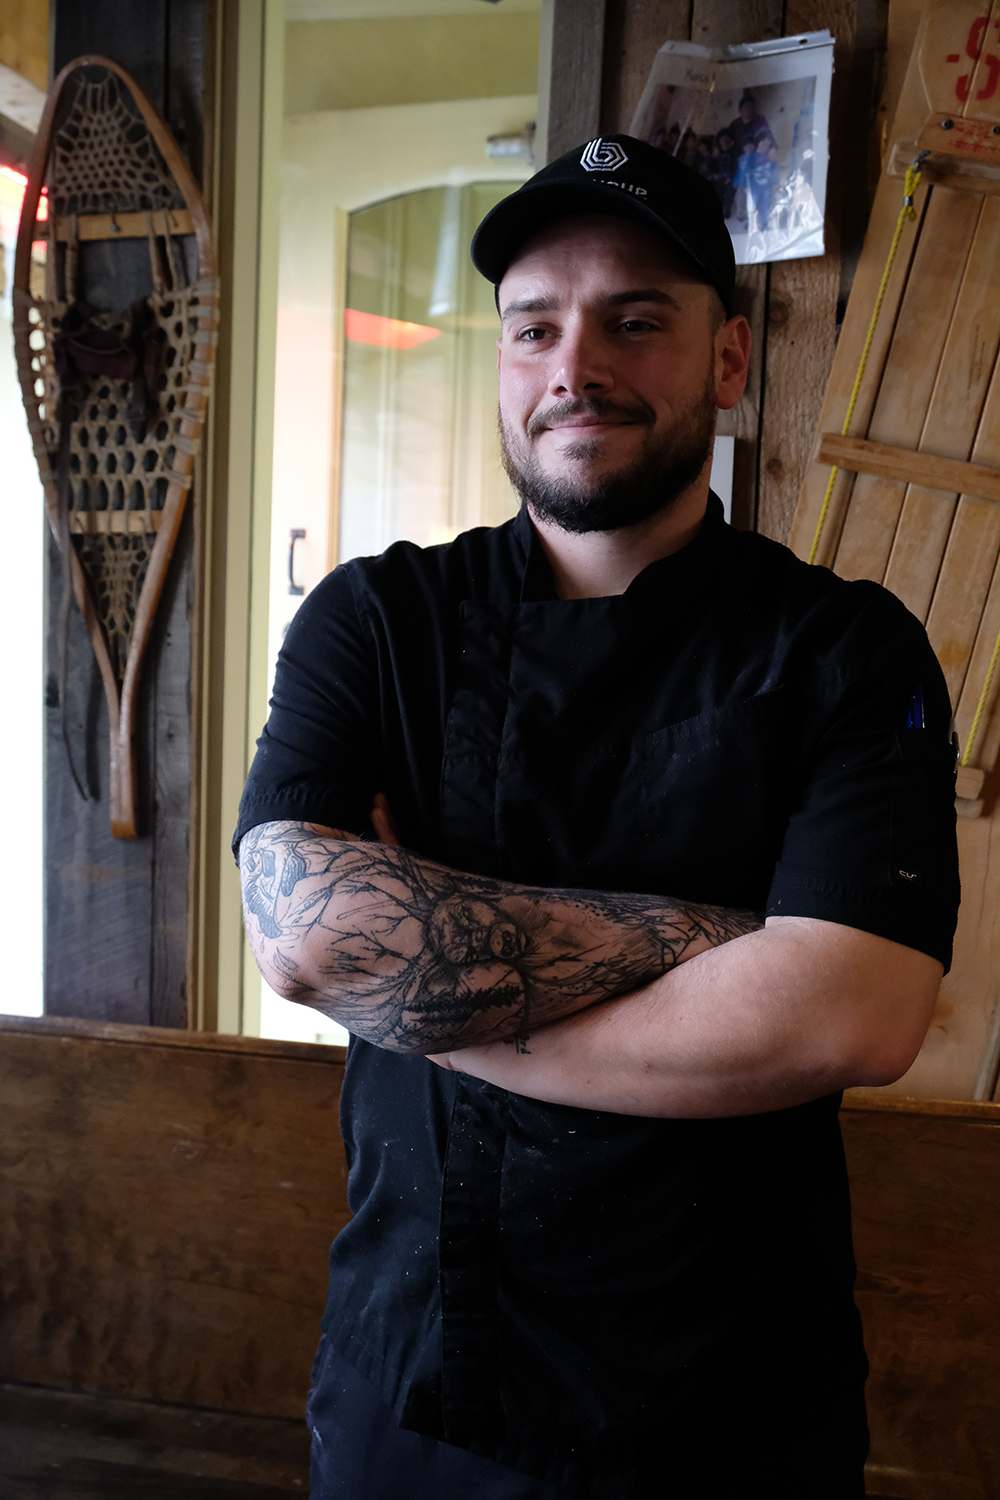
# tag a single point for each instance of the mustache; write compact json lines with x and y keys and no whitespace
{"x":599,"y":407}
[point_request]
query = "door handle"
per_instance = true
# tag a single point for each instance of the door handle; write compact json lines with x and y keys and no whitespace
{"x":295,"y":535}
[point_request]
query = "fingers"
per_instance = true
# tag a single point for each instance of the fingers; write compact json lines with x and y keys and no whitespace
{"x":383,"y":821}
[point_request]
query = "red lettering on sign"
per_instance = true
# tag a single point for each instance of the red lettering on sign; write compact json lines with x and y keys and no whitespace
{"x":973,"y":47}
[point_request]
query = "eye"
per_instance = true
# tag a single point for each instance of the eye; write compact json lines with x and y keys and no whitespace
{"x":532,"y":335}
{"x":635,"y":325}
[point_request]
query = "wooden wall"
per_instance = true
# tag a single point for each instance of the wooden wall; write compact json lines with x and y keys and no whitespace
{"x":792,"y":306}
{"x":167,"y":1203}
{"x":925,"y":1191}
{"x":116,"y":918}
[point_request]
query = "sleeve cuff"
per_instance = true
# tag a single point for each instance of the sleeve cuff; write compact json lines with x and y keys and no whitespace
{"x":301,"y":804}
{"x":925,"y":923}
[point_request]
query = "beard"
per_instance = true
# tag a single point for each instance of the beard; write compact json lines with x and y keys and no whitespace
{"x":667,"y":465}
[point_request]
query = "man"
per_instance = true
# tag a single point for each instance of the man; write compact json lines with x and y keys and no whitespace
{"x":661,"y":869}
{"x":749,"y":125}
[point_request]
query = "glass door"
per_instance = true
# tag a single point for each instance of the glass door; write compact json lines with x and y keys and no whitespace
{"x":420,"y":452}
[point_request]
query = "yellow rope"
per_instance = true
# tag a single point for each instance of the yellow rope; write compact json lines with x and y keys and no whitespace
{"x":981,"y":705}
{"x":913,"y":176}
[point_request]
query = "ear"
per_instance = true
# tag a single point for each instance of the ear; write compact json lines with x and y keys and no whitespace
{"x":732,"y":361}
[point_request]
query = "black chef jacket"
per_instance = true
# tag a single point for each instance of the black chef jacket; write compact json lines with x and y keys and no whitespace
{"x":600,"y":1299}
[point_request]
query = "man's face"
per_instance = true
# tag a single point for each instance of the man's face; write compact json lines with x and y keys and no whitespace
{"x":607,"y":374}
{"x":747,"y":111}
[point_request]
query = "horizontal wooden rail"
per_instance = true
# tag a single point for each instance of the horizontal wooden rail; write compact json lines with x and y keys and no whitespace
{"x":119,"y":226}
{"x":865,"y":456}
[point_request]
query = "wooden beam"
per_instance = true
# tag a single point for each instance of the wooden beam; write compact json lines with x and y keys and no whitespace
{"x":969,"y":783}
{"x":120,"y":226}
{"x":950,"y":475}
{"x":569,"y":75}
{"x":101,"y":522}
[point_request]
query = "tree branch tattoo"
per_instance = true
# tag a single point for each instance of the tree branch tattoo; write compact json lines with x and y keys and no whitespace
{"x":415,"y":957}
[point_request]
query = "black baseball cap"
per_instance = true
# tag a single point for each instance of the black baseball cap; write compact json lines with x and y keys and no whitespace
{"x":615,"y":174}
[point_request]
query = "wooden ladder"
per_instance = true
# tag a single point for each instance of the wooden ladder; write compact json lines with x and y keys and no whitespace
{"x":915,"y":502}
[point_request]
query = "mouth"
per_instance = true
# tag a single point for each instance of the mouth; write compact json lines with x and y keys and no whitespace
{"x":588,"y":428}
{"x":589,"y":424}
{"x":590,"y":420}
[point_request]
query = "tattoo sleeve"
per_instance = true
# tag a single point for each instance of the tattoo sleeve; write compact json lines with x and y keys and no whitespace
{"x":415,"y":957}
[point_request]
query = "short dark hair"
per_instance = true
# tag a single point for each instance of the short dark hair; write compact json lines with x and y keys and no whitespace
{"x":747,"y":99}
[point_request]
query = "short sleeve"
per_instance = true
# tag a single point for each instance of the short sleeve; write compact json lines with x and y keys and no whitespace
{"x":871,"y":843}
{"x":318,"y":758}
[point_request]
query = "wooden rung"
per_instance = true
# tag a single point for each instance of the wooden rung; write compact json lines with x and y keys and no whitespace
{"x":978,"y":140}
{"x":100,"y":522}
{"x":129,"y":226}
{"x":969,"y":782}
{"x":951,"y":475}
{"x":959,"y":173}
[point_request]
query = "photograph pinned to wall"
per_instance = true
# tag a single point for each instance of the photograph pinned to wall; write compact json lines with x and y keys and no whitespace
{"x":754,"y":120}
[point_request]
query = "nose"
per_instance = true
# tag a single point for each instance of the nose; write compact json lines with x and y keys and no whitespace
{"x":581,"y":366}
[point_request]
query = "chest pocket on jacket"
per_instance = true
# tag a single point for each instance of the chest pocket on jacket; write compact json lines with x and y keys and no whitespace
{"x":698,"y":808}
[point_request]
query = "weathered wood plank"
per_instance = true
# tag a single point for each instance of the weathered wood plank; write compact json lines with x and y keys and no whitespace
{"x":926,"y":1211}
{"x":940,"y":476}
{"x":56,"y":1444}
{"x":166,"y":1211}
{"x":953,"y":417}
{"x":135,"y":37}
{"x":969,"y":560}
{"x":911,"y":370}
{"x":633,"y":34}
{"x":123,"y":226}
{"x":570,"y":66}
{"x":116,"y":911}
{"x":168,"y":726}
{"x":97,"y":889}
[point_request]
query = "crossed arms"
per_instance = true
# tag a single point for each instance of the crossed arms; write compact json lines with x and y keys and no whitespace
{"x":607,"y":1000}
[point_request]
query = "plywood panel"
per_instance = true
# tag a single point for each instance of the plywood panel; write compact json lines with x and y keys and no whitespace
{"x":168,"y":1203}
{"x":925,"y":1190}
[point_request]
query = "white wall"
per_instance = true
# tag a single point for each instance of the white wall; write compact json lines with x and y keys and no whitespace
{"x":22,"y":628}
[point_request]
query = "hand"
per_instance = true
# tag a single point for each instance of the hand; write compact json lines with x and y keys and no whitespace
{"x":383,"y":821}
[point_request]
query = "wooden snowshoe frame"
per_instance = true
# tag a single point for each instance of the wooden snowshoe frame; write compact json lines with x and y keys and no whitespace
{"x":112,"y":170}
{"x":916,"y":502}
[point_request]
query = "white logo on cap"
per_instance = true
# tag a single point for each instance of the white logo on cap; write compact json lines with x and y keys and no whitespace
{"x":602,"y":156}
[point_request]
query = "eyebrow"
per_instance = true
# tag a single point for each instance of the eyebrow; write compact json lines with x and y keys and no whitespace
{"x":617,"y":299}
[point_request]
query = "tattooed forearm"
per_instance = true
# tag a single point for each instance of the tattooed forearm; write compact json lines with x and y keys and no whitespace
{"x":418,"y":958}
